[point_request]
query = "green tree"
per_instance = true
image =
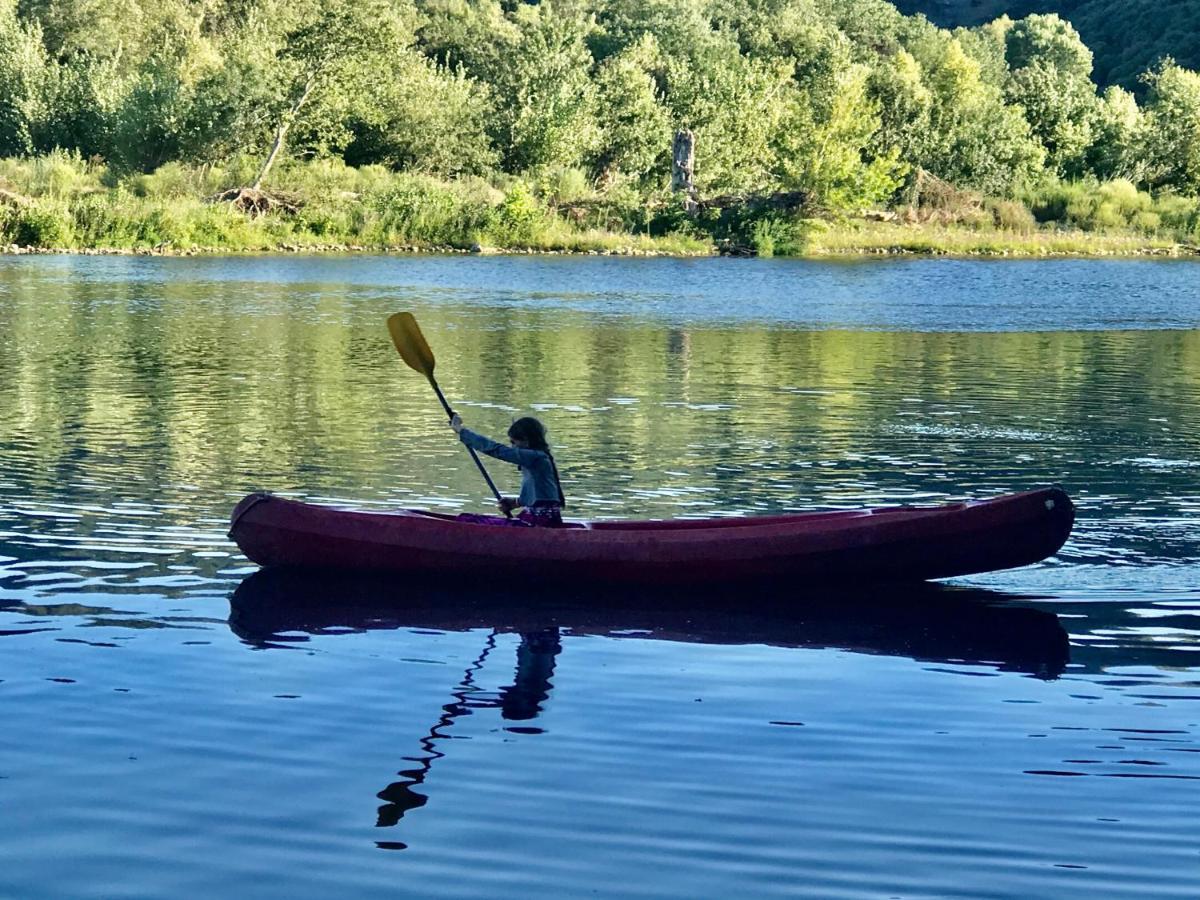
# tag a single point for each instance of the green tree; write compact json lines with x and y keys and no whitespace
{"x":155,"y":111}
{"x":84,"y":95}
{"x":873,"y":25}
{"x":23,"y":74}
{"x":1060,"y":108}
{"x":1171,"y":137}
{"x":635,"y":127}
{"x":1048,"y":39}
{"x":226,"y":115}
{"x":104,"y":29}
{"x":1050,"y":80}
{"x":425,"y":118}
{"x":735,"y":106}
{"x":831,"y":157}
{"x":904,"y":103}
{"x":1117,"y":125}
{"x":147,"y":124}
{"x":797,"y":35}
{"x":975,"y":139}
{"x":474,"y":35}
{"x":547,"y":99}
{"x":681,"y":29}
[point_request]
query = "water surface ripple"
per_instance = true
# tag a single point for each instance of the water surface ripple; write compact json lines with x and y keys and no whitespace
{"x":176,"y":722}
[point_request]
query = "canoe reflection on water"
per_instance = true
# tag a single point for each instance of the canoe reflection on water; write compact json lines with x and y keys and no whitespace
{"x":282,"y":607}
{"x":923,"y":621}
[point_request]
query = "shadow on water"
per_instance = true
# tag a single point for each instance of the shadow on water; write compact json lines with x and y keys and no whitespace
{"x":277,"y":608}
{"x":281,"y":608}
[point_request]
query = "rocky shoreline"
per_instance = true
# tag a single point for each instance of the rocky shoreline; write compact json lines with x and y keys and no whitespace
{"x":1176,"y":251}
{"x":17,"y":250}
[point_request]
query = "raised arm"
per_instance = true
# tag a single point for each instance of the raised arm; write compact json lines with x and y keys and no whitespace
{"x":518,"y":457}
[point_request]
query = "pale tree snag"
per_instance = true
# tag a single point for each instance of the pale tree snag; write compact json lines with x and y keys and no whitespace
{"x":683,"y":163}
{"x":254,"y":200}
{"x":333,"y":56}
{"x":285,"y":125}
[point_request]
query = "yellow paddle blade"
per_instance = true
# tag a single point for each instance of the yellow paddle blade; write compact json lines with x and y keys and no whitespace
{"x":407,"y":337}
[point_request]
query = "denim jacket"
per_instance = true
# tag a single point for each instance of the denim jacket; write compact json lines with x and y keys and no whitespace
{"x":538,"y":481}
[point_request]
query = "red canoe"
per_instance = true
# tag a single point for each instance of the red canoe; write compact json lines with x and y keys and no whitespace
{"x":898,"y":543}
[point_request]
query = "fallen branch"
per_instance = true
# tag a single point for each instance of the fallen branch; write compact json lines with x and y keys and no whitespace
{"x":256,"y":202}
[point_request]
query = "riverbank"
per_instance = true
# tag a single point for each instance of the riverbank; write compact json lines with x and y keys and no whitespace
{"x":867,"y":238}
{"x":849,"y":239}
{"x":61,"y":204}
{"x":629,"y":248}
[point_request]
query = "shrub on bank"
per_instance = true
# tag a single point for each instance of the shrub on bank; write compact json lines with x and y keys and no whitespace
{"x":416,"y":209}
{"x":62,"y":200}
{"x":58,"y":175}
{"x":1179,"y":215}
{"x":45,"y":223}
{"x":1113,"y":206}
{"x":1012,"y":215}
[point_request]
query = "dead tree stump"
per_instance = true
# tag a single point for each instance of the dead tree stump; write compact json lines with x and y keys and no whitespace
{"x":683,"y":164}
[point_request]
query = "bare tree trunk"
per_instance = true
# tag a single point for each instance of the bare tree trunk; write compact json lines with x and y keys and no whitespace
{"x":281,"y":132}
{"x":683,"y":161}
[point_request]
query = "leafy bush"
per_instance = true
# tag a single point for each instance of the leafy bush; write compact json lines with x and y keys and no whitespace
{"x":520,"y":216}
{"x":1012,"y":215}
{"x":564,"y":185}
{"x":761,"y":230}
{"x":1181,"y":214}
{"x":415,"y":208}
{"x":170,"y":181}
{"x":41,"y":225}
{"x":1115,"y":205}
{"x":59,"y":174}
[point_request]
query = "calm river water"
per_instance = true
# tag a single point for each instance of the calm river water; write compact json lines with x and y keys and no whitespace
{"x":172,"y":724}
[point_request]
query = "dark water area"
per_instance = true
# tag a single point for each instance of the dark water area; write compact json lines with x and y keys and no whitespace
{"x":173,"y":721}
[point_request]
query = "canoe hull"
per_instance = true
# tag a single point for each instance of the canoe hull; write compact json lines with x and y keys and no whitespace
{"x":860,"y":546}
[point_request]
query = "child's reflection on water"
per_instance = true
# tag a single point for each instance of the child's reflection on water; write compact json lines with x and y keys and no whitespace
{"x":520,"y":701}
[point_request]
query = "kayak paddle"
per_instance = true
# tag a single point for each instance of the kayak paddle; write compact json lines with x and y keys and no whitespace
{"x":407,"y":337}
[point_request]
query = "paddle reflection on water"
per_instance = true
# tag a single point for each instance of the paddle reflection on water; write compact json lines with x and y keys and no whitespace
{"x":277,"y":608}
{"x":518,"y":701}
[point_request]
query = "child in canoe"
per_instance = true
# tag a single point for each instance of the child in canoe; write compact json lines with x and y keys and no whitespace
{"x":541,"y":496}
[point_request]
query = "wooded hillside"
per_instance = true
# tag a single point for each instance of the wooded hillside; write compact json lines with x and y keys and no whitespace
{"x":846,"y":103}
{"x":1127,"y":36}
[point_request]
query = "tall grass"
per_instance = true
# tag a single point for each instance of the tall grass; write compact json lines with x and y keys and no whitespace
{"x":858,"y":237}
{"x":1114,"y":206}
{"x":63,"y":201}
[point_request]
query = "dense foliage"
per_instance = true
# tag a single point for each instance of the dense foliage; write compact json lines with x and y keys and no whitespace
{"x":847,"y":101}
{"x":1127,"y":36}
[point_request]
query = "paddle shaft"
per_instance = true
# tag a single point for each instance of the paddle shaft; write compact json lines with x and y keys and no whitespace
{"x":406,"y":335}
{"x":471,"y":450}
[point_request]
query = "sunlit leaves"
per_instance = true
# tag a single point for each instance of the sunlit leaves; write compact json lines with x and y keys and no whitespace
{"x":1171,"y":142}
{"x":23,"y":74}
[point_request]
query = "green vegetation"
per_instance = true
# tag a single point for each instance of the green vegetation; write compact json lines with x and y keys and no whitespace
{"x":1128,"y":36}
{"x":63,"y":201}
{"x":267,"y":124}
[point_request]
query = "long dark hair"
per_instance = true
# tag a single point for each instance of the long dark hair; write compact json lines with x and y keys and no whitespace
{"x":533,"y":433}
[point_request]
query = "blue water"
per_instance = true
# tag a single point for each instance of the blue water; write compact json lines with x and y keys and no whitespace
{"x":174,"y":723}
{"x":870,"y":294}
